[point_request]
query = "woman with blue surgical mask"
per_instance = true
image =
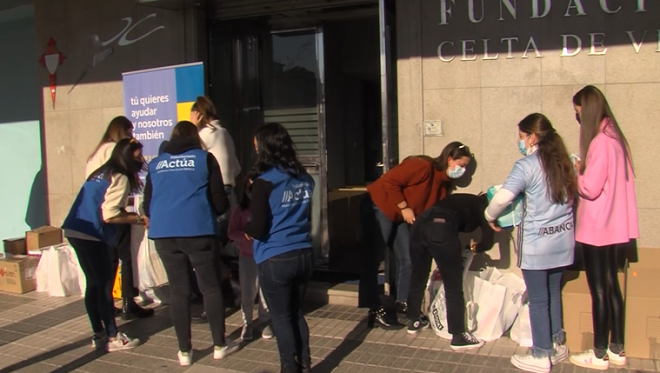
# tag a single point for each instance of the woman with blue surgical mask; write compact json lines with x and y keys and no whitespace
{"x":546,"y":238}
{"x":387,"y":212}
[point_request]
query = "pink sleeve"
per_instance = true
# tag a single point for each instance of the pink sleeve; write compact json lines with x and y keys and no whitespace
{"x":592,"y":182}
{"x":236,"y":231}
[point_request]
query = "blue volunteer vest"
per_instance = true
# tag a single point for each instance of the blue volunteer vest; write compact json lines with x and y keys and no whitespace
{"x":180,"y":205}
{"x":291,"y":206}
{"x":85,"y":215}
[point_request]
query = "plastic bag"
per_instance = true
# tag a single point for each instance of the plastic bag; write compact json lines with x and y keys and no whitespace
{"x":59,"y":272}
{"x":521,"y":331}
{"x":150,"y":268}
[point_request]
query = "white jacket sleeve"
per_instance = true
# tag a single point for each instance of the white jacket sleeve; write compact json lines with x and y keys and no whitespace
{"x":116,"y":197}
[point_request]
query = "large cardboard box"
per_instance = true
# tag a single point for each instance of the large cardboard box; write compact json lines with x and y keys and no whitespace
{"x":43,"y":237}
{"x":14,"y":246}
{"x":643,"y":306}
{"x":18,"y":274}
{"x":578,"y":321}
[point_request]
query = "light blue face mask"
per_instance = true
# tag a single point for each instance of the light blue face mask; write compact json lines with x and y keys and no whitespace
{"x":522,"y":148}
{"x":456,"y":173}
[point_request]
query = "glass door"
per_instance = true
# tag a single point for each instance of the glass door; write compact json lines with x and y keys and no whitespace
{"x":287,"y":88}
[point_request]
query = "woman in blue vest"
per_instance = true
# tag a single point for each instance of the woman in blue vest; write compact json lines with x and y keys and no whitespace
{"x":280,"y":227}
{"x":546,"y":239}
{"x":183,"y":195}
{"x":91,"y":228}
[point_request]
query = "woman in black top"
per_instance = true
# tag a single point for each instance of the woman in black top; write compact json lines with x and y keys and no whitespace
{"x":435,"y":235}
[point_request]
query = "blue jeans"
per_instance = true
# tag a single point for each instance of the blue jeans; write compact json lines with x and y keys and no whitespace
{"x":94,"y":259}
{"x":283,"y":282}
{"x":377,"y":231}
{"x":545,"y":310}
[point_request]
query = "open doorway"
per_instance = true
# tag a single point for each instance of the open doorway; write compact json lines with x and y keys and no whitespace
{"x":353,"y":130}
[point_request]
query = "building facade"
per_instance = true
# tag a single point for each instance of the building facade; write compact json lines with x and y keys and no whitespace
{"x":359,"y":83}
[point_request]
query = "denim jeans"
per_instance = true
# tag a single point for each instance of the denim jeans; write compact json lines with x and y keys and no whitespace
{"x":283,"y":282}
{"x":94,"y":259}
{"x":545,"y":310}
{"x":178,"y":255}
{"x":377,"y":231}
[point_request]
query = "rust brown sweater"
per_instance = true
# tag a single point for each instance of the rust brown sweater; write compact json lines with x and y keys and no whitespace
{"x":415,"y":181}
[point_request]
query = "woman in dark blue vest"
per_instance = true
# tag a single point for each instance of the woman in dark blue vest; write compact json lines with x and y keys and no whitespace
{"x":183,"y":195}
{"x":91,"y":229}
{"x":280,"y":227}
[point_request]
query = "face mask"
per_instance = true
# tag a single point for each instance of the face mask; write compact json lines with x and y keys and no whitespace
{"x":456,"y":173}
{"x":577,"y":117}
{"x":521,"y":147}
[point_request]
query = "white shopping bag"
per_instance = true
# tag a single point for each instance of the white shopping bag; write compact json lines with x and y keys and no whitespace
{"x":42,"y":272}
{"x":150,"y":268}
{"x":63,"y":271}
{"x":438,"y":309}
{"x":521,"y":332}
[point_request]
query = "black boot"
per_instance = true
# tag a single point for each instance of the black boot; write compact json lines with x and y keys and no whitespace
{"x":306,"y":367}
{"x":289,"y":369}
{"x":379,"y":318}
{"x":402,"y":308}
{"x":131,"y":310}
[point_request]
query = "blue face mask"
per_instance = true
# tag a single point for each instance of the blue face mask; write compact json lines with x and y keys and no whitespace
{"x":456,"y":173}
{"x":522,"y":148}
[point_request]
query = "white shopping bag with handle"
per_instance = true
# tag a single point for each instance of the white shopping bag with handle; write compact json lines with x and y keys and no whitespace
{"x":150,"y":267}
{"x":521,"y":332}
{"x":63,"y":272}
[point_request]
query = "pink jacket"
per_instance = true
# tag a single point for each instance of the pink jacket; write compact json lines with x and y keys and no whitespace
{"x":236,"y":230}
{"x":607,"y":212}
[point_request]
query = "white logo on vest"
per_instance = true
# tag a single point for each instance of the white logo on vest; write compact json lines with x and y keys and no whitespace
{"x":177,"y":163}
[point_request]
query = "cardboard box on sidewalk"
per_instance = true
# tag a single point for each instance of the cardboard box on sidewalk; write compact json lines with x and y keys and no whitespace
{"x":18,"y":274}
{"x":576,"y":301}
{"x":42,"y":237}
{"x":14,"y":246}
{"x":643,"y":306}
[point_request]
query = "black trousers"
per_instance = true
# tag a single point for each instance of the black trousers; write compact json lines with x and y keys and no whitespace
{"x":122,"y":251}
{"x":606,"y":298}
{"x":178,"y":255}
{"x":435,"y":236}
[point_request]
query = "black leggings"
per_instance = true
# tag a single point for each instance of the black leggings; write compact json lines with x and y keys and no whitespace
{"x":606,"y":299}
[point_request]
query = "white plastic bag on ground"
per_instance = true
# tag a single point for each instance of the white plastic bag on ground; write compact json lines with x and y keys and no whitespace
{"x":497,"y":299}
{"x":438,"y":309}
{"x":521,"y":332}
{"x":59,"y":272}
{"x":150,"y":268}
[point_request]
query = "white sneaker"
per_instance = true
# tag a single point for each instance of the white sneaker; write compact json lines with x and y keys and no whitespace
{"x":616,"y":359}
{"x":529,"y":363}
{"x":561,"y":354}
{"x":247,"y":333}
{"x":220,"y":353}
{"x":589,"y":360}
{"x":122,"y":343}
{"x":185,"y":358}
{"x":267,"y":332}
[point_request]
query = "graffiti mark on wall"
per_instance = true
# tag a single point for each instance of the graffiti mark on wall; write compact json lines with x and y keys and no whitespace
{"x":123,"y":39}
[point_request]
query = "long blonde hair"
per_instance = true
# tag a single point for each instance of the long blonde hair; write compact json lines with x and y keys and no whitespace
{"x":118,"y":129}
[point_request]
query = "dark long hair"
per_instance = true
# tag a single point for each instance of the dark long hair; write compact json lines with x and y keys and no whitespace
{"x":455,"y":150}
{"x":595,"y":109}
{"x":122,"y":161}
{"x":559,"y":173}
{"x":187,"y":132}
{"x":119,"y":128}
{"x":275,"y":149}
{"x":243,"y":199}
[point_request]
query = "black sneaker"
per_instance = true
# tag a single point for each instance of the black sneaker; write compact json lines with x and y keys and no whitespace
{"x":465,"y":341}
{"x":414,"y":327}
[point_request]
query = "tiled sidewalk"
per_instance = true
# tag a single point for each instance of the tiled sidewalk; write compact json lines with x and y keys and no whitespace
{"x":52,"y":335}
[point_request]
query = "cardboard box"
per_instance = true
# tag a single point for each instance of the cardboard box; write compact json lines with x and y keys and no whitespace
{"x":576,"y":301}
{"x":18,"y":274}
{"x":43,"y":237}
{"x":15,"y":246}
{"x":643,"y":312}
